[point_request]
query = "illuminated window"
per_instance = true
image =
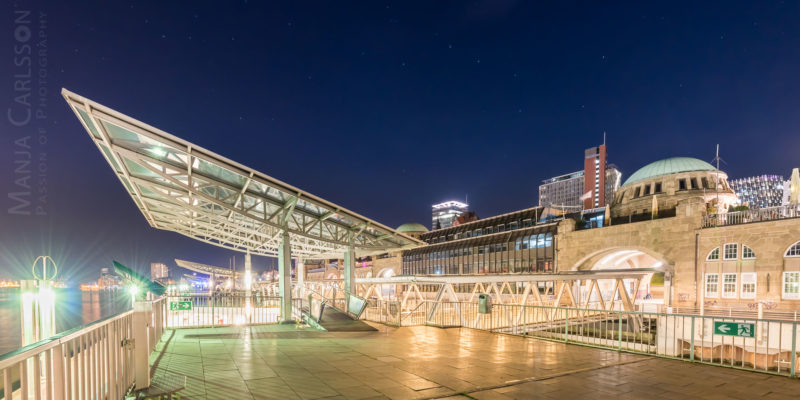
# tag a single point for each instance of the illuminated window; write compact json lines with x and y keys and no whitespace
{"x":729,"y":286}
{"x":793,"y":251}
{"x":791,"y":285}
{"x":712,"y":285}
{"x":731,"y":251}
{"x":748,"y":253}
{"x":714,"y":255}
{"x":749,"y":282}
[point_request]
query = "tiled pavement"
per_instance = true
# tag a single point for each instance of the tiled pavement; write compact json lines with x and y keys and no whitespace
{"x":288,"y":362}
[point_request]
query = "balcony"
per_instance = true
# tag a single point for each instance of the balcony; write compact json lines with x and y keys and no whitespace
{"x":750,"y":216}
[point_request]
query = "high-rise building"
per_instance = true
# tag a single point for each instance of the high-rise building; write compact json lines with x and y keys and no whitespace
{"x":759,"y":191}
{"x":594,"y":177}
{"x":158,"y":271}
{"x":443,"y":214}
{"x":588,"y":189}
{"x":562,"y":191}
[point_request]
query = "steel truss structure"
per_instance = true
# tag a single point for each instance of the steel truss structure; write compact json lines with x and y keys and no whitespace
{"x":502,"y":288}
{"x":184,"y":188}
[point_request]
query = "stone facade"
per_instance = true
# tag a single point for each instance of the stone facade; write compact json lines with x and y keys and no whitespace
{"x":637,"y":198}
{"x":680,"y":247}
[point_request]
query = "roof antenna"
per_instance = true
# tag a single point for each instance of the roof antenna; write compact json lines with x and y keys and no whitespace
{"x":604,"y":138}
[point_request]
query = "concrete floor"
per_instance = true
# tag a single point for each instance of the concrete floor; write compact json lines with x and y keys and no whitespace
{"x":289,"y":362}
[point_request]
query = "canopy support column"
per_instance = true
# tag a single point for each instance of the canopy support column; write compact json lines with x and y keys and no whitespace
{"x":301,"y":276}
{"x":349,"y":272}
{"x":285,"y":277}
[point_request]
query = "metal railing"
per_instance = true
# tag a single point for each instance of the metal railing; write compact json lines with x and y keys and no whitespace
{"x":748,"y":216}
{"x":92,"y":361}
{"x":765,"y":345}
{"x":202,"y":310}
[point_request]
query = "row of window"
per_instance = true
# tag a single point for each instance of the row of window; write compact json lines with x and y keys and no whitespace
{"x":730,"y":251}
{"x":532,"y":253}
{"x":726,"y":286}
{"x":525,"y":223}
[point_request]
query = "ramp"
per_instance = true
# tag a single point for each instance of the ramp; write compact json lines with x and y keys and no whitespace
{"x":334,"y":320}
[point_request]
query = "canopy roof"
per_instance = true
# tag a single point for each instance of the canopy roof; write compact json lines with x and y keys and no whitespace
{"x":205,"y":268}
{"x":181,"y":187}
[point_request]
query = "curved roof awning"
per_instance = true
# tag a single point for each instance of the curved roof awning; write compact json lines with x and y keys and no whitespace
{"x":181,"y":187}
{"x":205,"y":268}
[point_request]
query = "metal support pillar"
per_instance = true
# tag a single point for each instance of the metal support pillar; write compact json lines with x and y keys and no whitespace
{"x":285,"y":277}
{"x":301,"y":276}
{"x":248,"y":285}
{"x":349,"y":273}
{"x":668,"y":291}
{"x":142,"y":315}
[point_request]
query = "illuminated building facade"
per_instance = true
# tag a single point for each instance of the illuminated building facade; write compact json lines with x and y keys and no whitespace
{"x":444,"y":214}
{"x":759,"y":191}
{"x":508,"y":243}
{"x":158,"y":271}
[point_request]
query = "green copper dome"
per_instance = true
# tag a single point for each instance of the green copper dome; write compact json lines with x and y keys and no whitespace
{"x":412,"y":227}
{"x":668,"y":166}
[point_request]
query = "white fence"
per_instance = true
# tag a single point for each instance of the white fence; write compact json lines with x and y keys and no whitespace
{"x":95,"y":361}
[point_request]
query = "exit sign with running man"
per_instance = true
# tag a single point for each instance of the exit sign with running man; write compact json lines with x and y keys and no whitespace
{"x":741,"y":329}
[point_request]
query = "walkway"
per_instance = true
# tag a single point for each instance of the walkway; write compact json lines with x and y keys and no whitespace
{"x":288,"y":362}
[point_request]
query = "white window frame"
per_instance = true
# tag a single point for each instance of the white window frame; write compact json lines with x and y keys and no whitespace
{"x":708,"y":257}
{"x":708,"y":294}
{"x":753,"y":257}
{"x":747,"y":279}
{"x":790,"y":295}
{"x":725,"y":251}
{"x":794,"y":249}
{"x":724,"y":283}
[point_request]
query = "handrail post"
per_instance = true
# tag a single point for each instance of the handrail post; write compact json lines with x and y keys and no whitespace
{"x":691,"y":349}
{"x":619,"y":332}
{"x":58,"y":372}
{"x":566,"y":323}
{"x":794,"y":349}
{"x":141,"y":346}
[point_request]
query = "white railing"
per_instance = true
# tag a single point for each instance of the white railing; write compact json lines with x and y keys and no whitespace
{"x":202,"y":310}
{"x":756,"y":344}
{"x":95,"y":361}
{"x":748,"y":216}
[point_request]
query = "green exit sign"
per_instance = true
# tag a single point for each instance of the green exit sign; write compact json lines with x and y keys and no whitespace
{"x":180,"y":305}
{"x":742,"y":329}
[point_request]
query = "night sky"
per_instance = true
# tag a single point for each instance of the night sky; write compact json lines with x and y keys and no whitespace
{"x":383,"y":108}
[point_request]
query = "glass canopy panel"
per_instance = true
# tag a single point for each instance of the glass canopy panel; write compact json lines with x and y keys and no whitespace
{"x":118,"y":133}
{"x":222,"y":174}
{"x":88,"y":122}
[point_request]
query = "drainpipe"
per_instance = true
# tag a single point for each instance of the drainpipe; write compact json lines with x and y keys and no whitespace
{"x":696,"y":250}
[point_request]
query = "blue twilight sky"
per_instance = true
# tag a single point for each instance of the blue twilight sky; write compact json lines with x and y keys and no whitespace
{"x":382,"y":107}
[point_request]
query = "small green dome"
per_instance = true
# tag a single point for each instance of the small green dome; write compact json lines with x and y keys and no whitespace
{"x":412,"y":227}
{"x":668,"y":166}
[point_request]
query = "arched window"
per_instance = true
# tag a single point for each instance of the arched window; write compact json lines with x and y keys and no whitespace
{"x":748,"y":253}
{"x":793,"y":251}
{"x":713,"y":255}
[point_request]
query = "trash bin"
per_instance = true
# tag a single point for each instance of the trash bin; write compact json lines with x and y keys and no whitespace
{"x":484,"y":304}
